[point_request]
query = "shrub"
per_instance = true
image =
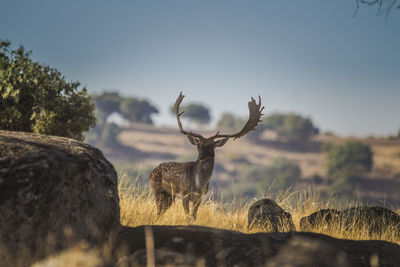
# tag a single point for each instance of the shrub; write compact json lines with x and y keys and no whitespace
{"x":290,"y":127}
{"x":230,"y":123}
{"x":279,"y":175}
{"x":36,"y":98}
{"x":352,"y":158}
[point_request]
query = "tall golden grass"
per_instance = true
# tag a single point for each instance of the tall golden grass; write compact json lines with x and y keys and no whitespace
{"x":138,"y":207}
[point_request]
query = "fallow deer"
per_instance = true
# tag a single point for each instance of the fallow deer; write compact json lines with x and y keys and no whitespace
{"x":189,"y":180}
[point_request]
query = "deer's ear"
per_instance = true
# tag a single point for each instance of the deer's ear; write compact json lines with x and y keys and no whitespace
{"x":193,"y":140}
{"x":221,"y":142}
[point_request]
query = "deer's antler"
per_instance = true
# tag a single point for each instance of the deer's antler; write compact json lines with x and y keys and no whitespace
{"x":179,"y":114}
{"x":254,"y":118}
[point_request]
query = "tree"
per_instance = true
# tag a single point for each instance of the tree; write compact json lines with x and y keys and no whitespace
{"x":384,"y":6}
{"x":106,"y":104}
{"x":351,"y":158}
{"x":108,"y":136}
{"x":290,"y":127}
{"x":36,"y":98}
{"x":279,"y":175}
{"x":230,"y":123}
{"x":137,"y":110}
{"x":196,"y":112}
{"x":131,"y":108}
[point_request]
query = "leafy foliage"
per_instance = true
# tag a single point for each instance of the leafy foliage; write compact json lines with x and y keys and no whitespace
{"x":228,"y":122}
{"x":108,"y":135}
{"x":346,"y":161}
{"x":279,"y":175}
{"x":196,"y":112}
{"x":106,"y":104}
{"x":137,"y":110}
{"x":131,"y":108}
{"x":290,"y":127}
{"x":36,"y":98}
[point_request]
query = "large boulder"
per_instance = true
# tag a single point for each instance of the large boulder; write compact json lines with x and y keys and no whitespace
{"x":323,"y":218}
{"x":196,"y":245}
{"x":266,"y":215}
{"x":372,"y":220}
{"x":54,"y":193}
{"x":302,"y":251}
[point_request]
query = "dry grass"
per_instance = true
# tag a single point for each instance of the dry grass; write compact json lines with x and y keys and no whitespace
{"x":138,"y":208}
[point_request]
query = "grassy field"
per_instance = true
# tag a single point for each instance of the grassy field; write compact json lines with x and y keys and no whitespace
{"x":150,"y":139}
{"x":138,"y":208}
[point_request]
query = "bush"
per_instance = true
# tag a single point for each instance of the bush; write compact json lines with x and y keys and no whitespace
{"x":290,"y":127}
{"x":351,"y":158}
{"x":230,"y":123}
{"x":108,"y":135}
{"x":196,"y":112}
{"x":132,"y":109}
{"x":281,"y":174}
{"x":36,"y":98}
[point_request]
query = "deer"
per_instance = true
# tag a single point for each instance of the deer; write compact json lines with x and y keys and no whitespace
{"x":190,"y":180}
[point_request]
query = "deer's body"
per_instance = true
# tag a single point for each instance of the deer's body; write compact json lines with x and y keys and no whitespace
{"x":190,"y":180}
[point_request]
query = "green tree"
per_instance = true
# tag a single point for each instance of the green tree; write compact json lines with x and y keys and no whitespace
{"x":106,"y":104}
{"x":108,"y":136}
{"x":198,"y":113}
{"x":131,"y":108}
{"x":137,"y":110}
{"x":290,"y":127}
{"x":350,"y":159}
{"x":36,"y":98}
{"x":230,"y":123}
{"x":279,"y":175}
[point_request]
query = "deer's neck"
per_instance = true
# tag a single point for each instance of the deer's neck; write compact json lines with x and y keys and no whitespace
{"x":204,"y":169}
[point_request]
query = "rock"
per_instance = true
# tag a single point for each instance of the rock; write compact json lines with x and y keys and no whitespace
{"x":54,"y":193}
{"x":374,"y":220}
{"x":216,"y":247}
{"x":158,"y":257}
{"x":267,"y":215}
{"x":305,"y":251}
{"x":320,"y":219}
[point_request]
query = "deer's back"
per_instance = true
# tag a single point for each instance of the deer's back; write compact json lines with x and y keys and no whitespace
{"x":176,"y":173}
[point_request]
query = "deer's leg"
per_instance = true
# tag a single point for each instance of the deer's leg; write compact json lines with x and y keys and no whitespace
{"x":196,"y":205}
{"x":164,"y":202}
{"x":197,"y":201}
{"x":185,"y":202}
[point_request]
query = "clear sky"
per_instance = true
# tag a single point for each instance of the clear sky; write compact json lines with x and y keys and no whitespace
{"x":311,"y":57}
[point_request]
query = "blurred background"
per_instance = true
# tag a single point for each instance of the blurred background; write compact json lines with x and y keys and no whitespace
{"x":326,"y":71}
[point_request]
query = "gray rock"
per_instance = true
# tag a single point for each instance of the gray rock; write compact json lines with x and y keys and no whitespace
{"x":305,"y":252}
{"x":322,"y":218}
{"x":373,"y":219}
{"x":267,"y":215}
{"x":159,"y":257}
{"x":54,"y":193}
{"x":219,"y":247}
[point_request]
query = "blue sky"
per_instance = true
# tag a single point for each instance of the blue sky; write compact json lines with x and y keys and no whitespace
{"x":311,"y":57}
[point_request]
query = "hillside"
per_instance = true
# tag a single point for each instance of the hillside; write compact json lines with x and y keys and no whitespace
{"x":154,"y":145}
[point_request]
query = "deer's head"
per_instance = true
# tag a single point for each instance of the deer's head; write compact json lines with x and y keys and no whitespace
{"x":206,"y":146}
